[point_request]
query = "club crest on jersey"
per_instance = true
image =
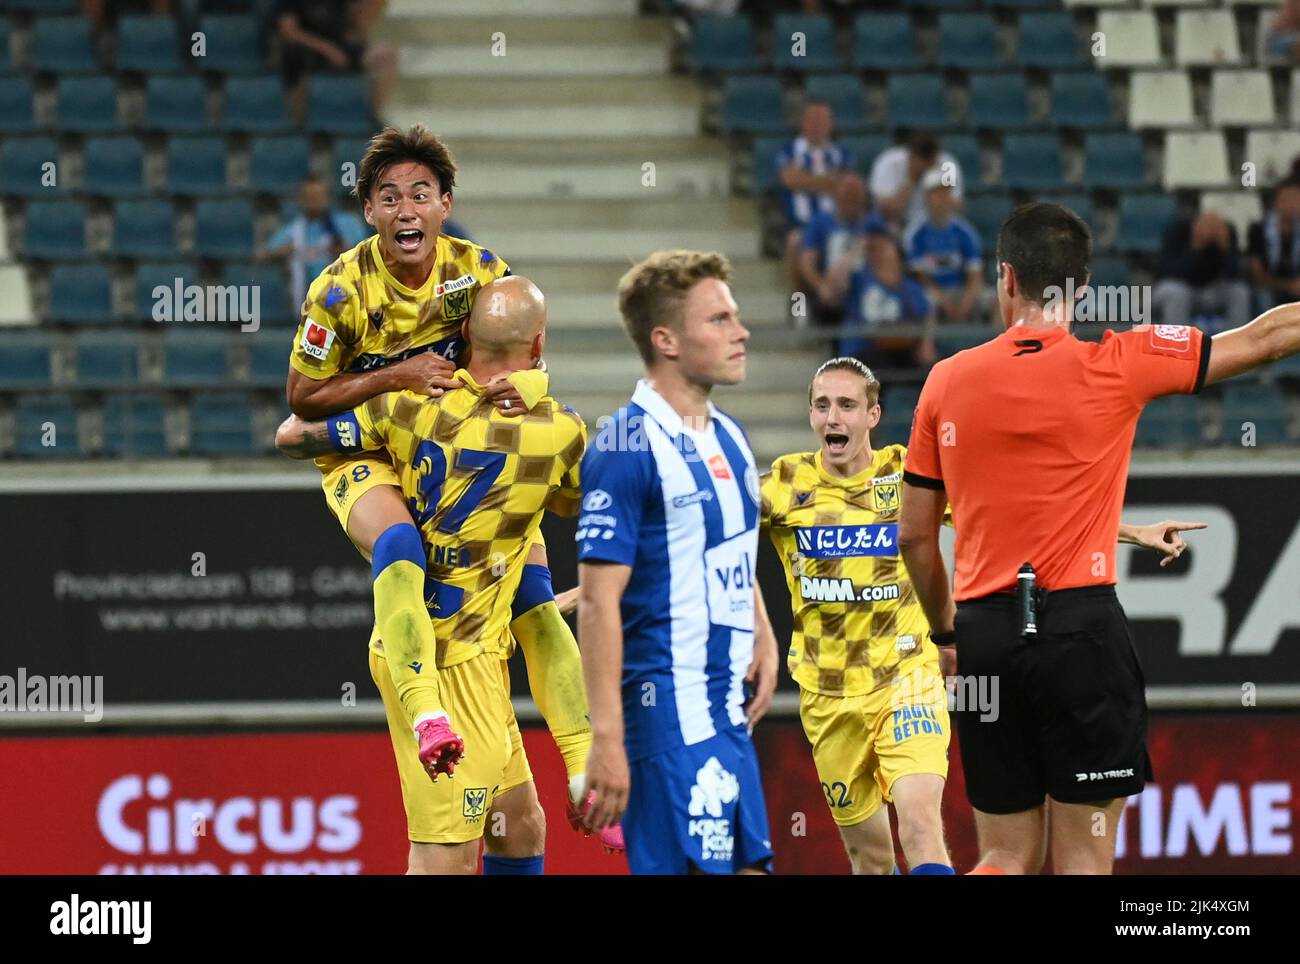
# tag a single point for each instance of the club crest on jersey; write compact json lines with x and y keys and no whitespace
{"x":475,"y":803}
{"x":884,"y":498}
{"x":455,"y":306}
{"x":316,"y":340}
{"x":446,"y":287}
{"x":751,"y":484}
{"x":341,"y":490}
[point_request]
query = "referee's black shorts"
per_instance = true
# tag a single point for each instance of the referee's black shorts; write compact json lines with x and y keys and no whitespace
{"x":1070,"y":717}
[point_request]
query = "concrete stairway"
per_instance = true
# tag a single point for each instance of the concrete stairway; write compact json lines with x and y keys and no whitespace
{"x":580,"y":153}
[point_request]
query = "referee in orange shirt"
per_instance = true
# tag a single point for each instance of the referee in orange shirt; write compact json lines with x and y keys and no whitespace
{"x":1028,"y":436}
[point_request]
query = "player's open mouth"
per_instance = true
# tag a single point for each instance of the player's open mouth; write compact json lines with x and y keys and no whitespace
{"x":409,"y":240}
{"x":836,"y":443}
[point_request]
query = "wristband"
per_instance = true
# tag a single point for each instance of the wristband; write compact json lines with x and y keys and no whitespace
{"x":944,"y":639}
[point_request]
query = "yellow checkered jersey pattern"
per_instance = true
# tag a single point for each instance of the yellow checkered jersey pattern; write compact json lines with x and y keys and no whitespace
{"x":858,"y":625}
{"x":357,"y":316}
{"x":477,"y":483}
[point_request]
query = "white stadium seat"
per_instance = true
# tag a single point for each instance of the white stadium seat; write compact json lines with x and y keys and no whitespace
{"x":1271,"y":151}
{"x":15,"y":297}
{"x":1239,"y":208}
{"x":1206,"y":37}
{"x":1160,"y":98}
{"x":1132,"y":38}
{"x":1241,"y":98}
{"x":1195,"y":159}
{"x":1175,"y":3}
{"x":1295,"y":97}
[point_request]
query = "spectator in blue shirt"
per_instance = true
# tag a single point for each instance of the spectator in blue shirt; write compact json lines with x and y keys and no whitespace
{"x":808,"y":169}
{"x":314,"y":238}
{"x":945,"y":252}
{"x":828,"y":238}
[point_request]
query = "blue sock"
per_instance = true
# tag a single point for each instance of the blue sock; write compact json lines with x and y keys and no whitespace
{"x":934,"y":870}
{"x":896,"y":872}
{"x":512,"y":866}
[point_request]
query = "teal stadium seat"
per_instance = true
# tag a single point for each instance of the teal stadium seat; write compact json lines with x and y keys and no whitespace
{"x":135,"y":426}
{"x":147,"y":45}
{"x":144,"y":229}
{"x":107,"y":362}
{"x":46,"y":417}
{"x":255,"y":105}
{"x":234,"y":44}
{"x":968,"y":41}
{"x":196,"y":166}
{"x":115,"y":167}
{"x":1081,"y":100}
{"x":1142,"y":221}
{"x":56,"y":230}
{"x":17,"y":112}
{"x":722,"y":45}
{"x":277,"y":165}
{"x":63,"y":45}
{"x":1049,"y":41}
{"x":223,"y":229}
{"x":999,"y":102}
{"x":22,"y":166}
{"x":884,"y":41}
{"x":273,"y":292}
{"x":153,"y":275}
{"x":818,"y":48}
{"x":847,"y":99}
{"x":753,"y":105}
{"x":1260,"y":404}
{"x":220,"y":424}
{"x":81,"y":294}
{"x":175,"y":105}
{"x":86,"y":105}
{"x":195,"y":356}
{"x":24,"y":366}
{"x":1114,"y":161}
{"x":1032,"y":162}
{"x":338,"y":104}
{"x":916,"y":101}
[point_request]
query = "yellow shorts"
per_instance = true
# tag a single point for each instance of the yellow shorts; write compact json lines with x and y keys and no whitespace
{"x":476,"y":695}
{"x":352,"y":478}
{"x":862,"y":744}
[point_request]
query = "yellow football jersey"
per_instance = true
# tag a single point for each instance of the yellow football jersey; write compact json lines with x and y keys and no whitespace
{"x":857,"y":621}
{"x":477,"y":483}
{"x":357,"y":316}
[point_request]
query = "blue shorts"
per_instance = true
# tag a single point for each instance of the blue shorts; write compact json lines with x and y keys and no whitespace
{"x":699,"y":805}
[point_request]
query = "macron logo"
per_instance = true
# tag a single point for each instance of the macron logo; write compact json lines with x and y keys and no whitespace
{"x":334,"y":296}
{"x":130,"y":917}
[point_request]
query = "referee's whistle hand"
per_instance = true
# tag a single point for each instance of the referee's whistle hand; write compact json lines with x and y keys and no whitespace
{"x":1164,"y":537}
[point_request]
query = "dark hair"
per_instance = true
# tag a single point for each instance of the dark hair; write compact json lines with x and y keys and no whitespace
{"x":923,"y":145}
{"x":392,"y":146}
{"x":1046,"y":244}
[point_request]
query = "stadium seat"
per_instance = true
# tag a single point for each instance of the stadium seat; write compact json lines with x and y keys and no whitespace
{"x":1132,"y":38}
{"x":338,"y":104}
{"x":63,"y":45}
{"x":865,"y":148}
{"x":107,"y":361}
{"x":1114,"y":161}
{"x":144,"y":229}
{"x":272,"y":291}
{"x":818,"y":43}
{"x":22,"y":165}
{"x":1259,"y":405}
{"x":149,"y":277}
{"x":1172,"y":421}
{"x":196,"y":166}
{"x":999,"y":102}
{"x":1048,"y":40}
{"x":965,"y":150}
{"x":1023,"y":4}
{"x":916,"y":101}
{"x":1242,"y":98}
{"x":176,"y":105}
{"x":147,"y":45}
{"x":722,"y":44}
{"x":1295,"y":98}
{"x":1239,"y":208}
{"x":753,"y":105}
{"x":347,"y":150}
{"x":86,"y":105}
{"x":1160,"y":98}
{"x":1081,"y":99}
{"x":114,"y":167}
{"x":17,"y":111}
{"x":1142,"y":221}
{"x":1077,"y":202}
{"x":986,"y":212}
{"x":1032,"y":162}
{"x":254,"y":105}
{"x":234,"y":45}
{"x":44,"y":7}
{"x":948,"y":345}
{"x":46,"y":418}
{"x":223,"y":229}
{"x":1195,"y":159}
{"x":845,"y":94}
{"x":6,"y":61}
{"x":81,"y":293}
{"x":968,"y":41}
{"x":1111,"y":271}
{"x":268,"y":362}
{"x":1206,"y":38}
{"x":220,"y":425}
{"x":56,"y":230}
{"x":884,"y":41}
{"x":937,"y":4}
{"x":765,"y":152}
{"x":1272,"y":152}
{"x":277,"y":165}
{"x":195,"y":355}
{"x":135,"y":426}
{"x":24,"y":366}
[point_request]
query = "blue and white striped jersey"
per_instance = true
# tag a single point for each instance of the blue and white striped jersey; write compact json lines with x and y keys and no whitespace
{"x":681,"y":507}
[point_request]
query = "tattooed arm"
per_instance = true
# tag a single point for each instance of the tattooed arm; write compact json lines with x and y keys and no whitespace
{"x":299,"y":439}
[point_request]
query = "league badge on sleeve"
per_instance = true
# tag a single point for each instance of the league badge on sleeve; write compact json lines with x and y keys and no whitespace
{"x":316,"y":340}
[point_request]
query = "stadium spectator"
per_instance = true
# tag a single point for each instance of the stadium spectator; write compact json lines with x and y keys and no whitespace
{"x":102,"y":13}
{"x":313,"y":238}
{"x":320,"y":36}
{"x":1273,"y":244}
{"x":1282,"y":40}
{"x":1200,"y":271}
{"x":828,"y":238}
{"x":898,"y":172}
{"x":945,"y":252}
{"x":880,"y":294}
{"x":808,"y":169}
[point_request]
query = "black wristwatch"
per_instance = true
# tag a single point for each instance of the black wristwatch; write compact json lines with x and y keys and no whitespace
{"x":944,"y":639}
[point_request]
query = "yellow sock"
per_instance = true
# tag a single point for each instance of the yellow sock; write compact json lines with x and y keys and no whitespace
{"x":555,"y":678}
{"x":410,"y":646}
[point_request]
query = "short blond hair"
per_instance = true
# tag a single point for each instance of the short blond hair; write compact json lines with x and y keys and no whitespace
{"x":653,"y":291}
{"x":847,"y":364}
